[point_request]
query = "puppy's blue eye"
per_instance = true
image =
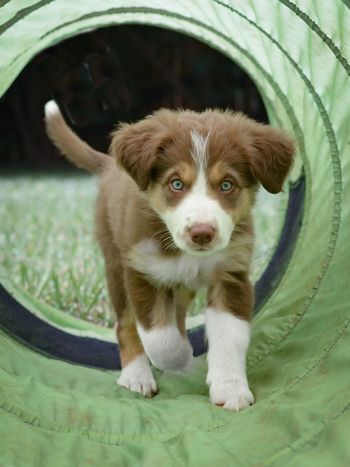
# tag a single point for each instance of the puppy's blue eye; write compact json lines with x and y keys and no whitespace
{"x":226,"y":185}
{"x":177,"y":184}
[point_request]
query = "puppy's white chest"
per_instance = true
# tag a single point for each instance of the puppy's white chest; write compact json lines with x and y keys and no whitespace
{"x":191,"y":271}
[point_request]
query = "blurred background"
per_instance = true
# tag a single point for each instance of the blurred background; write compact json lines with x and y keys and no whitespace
{"x":116,"y":74}
{"x":47,"y":246}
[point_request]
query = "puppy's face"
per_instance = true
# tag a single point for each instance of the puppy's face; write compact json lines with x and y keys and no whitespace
{"x":200,"y":196}
{"x":200,"y":171}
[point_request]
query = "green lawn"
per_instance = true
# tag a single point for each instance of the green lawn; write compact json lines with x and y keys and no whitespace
{"x":47,"y":245}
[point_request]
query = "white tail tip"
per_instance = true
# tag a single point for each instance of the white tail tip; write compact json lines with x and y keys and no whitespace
{"x":51,"y":109}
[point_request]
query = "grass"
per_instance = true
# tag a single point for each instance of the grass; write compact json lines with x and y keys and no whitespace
{"x":47,"y":244}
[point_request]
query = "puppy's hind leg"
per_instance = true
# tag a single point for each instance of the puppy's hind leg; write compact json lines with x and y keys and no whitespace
{"x":136,"y":373}
{"x":183,"y":298}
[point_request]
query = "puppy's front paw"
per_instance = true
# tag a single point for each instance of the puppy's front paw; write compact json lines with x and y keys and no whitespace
{"x":137,"y":376}
{"x":232,"y":395}
{"x":146,"y":386}
{"x":166,"y":348}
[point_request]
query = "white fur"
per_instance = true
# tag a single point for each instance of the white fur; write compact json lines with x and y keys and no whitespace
{"x":198,"y":207}
{"x":228,"y":338}
{"x":51,"y":109}
{"x":166,"y":347}
{"x":192,"y":271}
{"x":137,"y":376}
{"x":199,"y":152}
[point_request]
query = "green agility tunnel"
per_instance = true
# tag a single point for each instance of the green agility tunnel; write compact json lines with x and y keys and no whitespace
{"x":61,"y":413}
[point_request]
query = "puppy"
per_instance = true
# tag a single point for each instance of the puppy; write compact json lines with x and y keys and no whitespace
{"x":173,"y":215}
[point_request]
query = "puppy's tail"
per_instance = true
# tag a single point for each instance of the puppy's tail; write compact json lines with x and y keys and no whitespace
{"x":69,"y":144}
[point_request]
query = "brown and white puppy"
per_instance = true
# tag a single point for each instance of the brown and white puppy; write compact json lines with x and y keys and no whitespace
{"x":173,"y":215}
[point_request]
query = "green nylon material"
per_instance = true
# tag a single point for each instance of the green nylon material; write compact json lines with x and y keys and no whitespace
{"x":57,"y":414}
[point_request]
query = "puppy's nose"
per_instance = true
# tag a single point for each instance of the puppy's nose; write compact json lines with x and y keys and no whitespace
{"x":202,"y":234}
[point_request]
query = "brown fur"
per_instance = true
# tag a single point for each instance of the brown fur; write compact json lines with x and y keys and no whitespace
{"x":76,"y":150}
{"x":148,"y":154}
{"x":234,"y":294}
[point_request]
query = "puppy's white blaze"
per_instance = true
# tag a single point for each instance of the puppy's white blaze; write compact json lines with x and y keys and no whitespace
{"x":199,"y":208}
{"x":166,"y":347}
{"x":137,"y":376}
{"x":199,"y":151}
{"x":228,"y":338}
{"x":51,"y":109}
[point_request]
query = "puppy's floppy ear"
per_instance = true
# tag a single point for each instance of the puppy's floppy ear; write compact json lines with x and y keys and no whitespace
{"x":270,"y":156}
{"x":136,"y":146}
